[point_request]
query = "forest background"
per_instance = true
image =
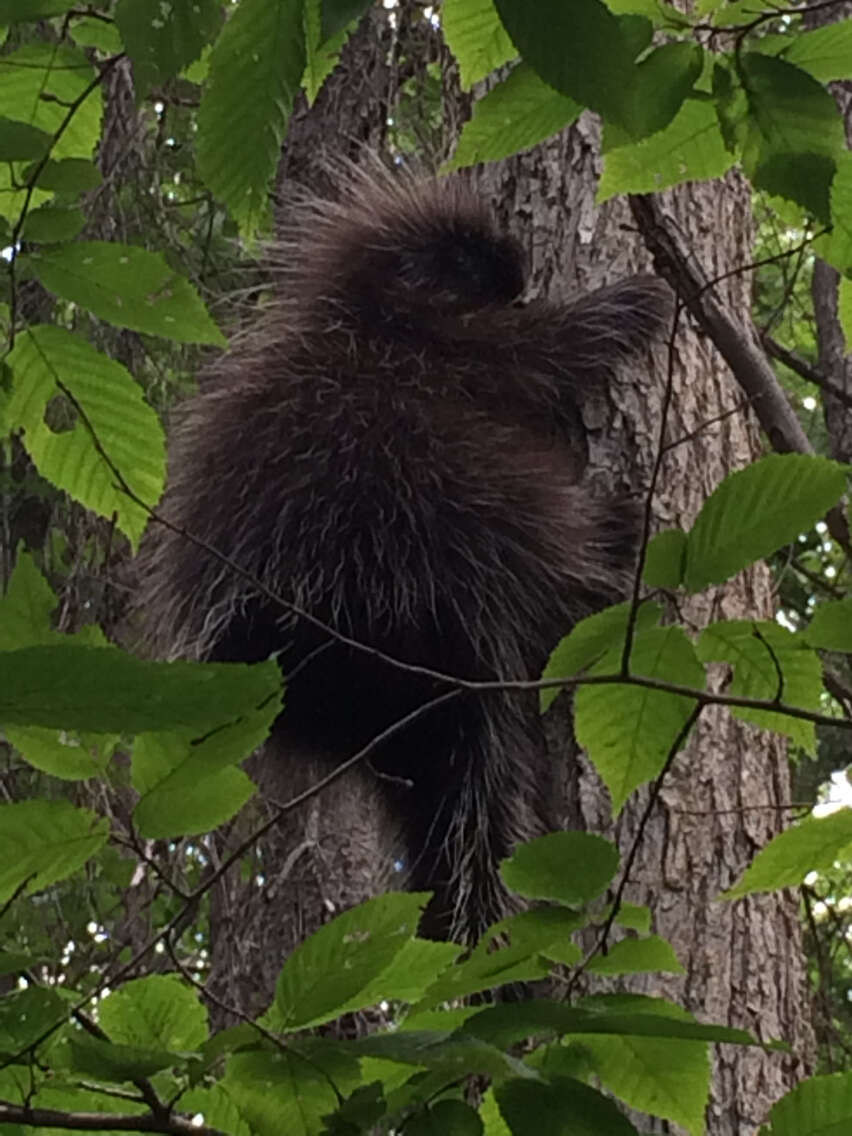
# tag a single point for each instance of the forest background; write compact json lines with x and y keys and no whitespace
{"x":150,"y":971}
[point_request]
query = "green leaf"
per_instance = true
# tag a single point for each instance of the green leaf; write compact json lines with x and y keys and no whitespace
{"x":45,"y":841}
{"x":104,"y":1061}
{"x":338,"y":14}
{"x":112,"y":421}
{"x":261,"y":54}
{"x":632,"y":956}
{"x":591,"y":638}
{"x":758,"y":651}
{"x":831,"y":626}
{"x":26,"y":607}
{"x":50,"y":223}
{"x":60,"y":753}
{"x":13,"y":962}
{"x":825,"y":53}
{"x":634,"y":916}
{"x":476,"y":37}
{"x":488,"y":968}
{"x":360,"y":1112}
{"x":665,"y":559}
{"x":277,"y":1093}
{"x":518,"y":113}
{"x":758,"y":510}
{"x":793,"y":133}
{"x":844,"y":309}
{"x":564,"y":1107}
{"x":637,"y":31}
{"x":542,"y":930}
{"x":25,"y":620}
{"x":455,"y":1056}
{"x":159,"y":1011}
{"x":103,"y":689}
{"x":664,"y":79}
{"x":88,"y":31}
{"x":569,"y":867}
{"x":447,"y":1118}
{"x":129,"y":287}
{"x":71,"y":175}
{"x":17,"y":11}
{"x":663,"y":1077}
{"x":623,"y":1015}
{"x":26,"y":1014}
{"x":690,"y":148}
{"x":579,"y":49}
{"x":628,"y":731}
{"x":40,"y":81}
{"x":189,"y":785}
{"x":812,"y":844}
{"x":161,"y":44}
{"x":328,"y":974}
{"x":21,"y":142}
{"x":415,"y":968}
{"x":836,"y":246}
{"x":819,"y":1106}
{"x":652,"y":10}
{"x":321,"y":55}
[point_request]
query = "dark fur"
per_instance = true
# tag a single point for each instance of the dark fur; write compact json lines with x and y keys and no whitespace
{"x":391,"y":448}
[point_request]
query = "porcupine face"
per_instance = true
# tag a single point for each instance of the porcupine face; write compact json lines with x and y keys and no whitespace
{"x":460,"y":271}
{"x":396,"y":250}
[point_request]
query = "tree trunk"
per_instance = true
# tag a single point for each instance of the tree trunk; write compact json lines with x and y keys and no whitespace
{"x":724,"y":798}
{"x":335,"y":850}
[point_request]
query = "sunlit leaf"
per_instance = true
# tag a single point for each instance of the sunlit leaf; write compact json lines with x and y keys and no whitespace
{"x":476,"y":37}
{"x":45,"y":841}
{"x":129,"y":287}
{"x":570,"y":867}
{"x":628,"y":731}
{"x":758,"y":510}
{"x":260,"y":53}
{"x":114,"y":435}
{"x":812,"y":844}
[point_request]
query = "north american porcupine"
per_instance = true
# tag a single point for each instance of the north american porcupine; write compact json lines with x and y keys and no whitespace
{"x":395,"y":447}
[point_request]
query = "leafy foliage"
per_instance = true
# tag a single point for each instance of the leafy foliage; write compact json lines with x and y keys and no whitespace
{"x":168,"y":738}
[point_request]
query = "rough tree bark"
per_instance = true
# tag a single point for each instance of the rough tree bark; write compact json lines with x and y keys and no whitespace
{"x":334,"y":851}
{"x":833,"y":360}
{"x":721,"y":802}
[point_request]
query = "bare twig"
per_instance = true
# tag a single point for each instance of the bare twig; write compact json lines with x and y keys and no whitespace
{"x":735,"y":341}
{"x":172,"y":1125}
{"x":804,"y":369}
{"x":656,"y":788}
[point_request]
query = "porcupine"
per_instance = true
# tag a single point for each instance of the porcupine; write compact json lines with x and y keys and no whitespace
{"x":394,"y":446}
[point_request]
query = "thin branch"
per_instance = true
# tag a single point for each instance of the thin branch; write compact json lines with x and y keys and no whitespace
{"x":804,"y":369}
{"x":736,"y":810}
{"x":15,"y":237}
{"x":656,"y":788}
{"x":838,"y":689}
{"x":324,"y":782}
{"x":736,"y":342}
{"x":701,"y":697}
{"x":647,"y":519}
{"x":702,"y":427}
{"x":817,"y":581}
{"x":779,"y":674}
{"x":261,"y":1031}
{"x":102,"y":1121}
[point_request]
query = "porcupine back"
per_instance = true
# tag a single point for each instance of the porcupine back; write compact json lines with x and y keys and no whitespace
{"x":392,"y":447}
